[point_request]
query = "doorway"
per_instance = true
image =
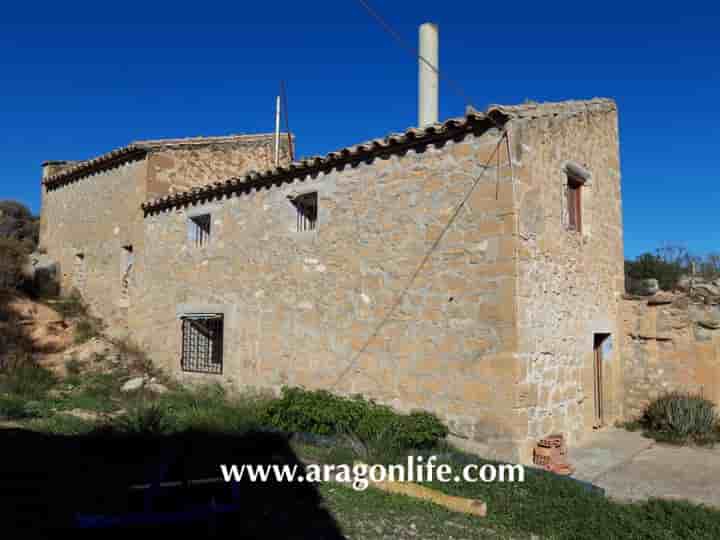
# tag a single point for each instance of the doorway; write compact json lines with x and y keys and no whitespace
{"x":600,"y":344}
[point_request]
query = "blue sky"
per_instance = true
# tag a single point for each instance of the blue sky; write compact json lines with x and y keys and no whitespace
{"x":79,"y":79}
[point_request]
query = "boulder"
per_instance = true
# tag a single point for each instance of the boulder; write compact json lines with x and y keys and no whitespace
{"x":43,"y":272}
{"x":131,"y":385}
{"x":710,"y":324}
{"x":684,"y":283}
{"x":645,"y":287}
{"x":706,"y":290}
{"x":157,"y":388}
{"x":660,"y":298}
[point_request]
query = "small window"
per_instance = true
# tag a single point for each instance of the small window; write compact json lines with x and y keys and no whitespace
{"x":574,"y":204}
{"x":202,"y":343}
{"x":199,"y":230}
{"x":307,"y":211}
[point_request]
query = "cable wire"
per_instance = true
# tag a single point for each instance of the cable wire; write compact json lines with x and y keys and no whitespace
{"x":426,"y":258}
{"x":412,"y":50}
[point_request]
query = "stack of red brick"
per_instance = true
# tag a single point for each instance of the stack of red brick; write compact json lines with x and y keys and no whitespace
{"x":551,"y":454}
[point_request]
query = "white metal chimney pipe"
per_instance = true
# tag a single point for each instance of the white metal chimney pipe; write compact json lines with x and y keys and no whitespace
{"x":429,"y":79}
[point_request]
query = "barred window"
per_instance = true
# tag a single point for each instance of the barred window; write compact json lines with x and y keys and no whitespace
{"x":307,"y":211}
{"x":199,"y":230}
{"x":202,"y":343}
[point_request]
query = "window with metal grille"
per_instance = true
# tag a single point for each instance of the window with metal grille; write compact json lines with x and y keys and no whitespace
{"x":307,"y":211}
{"x":574,"y":204}
{"x":202,"y":343}
{"x":199,"y":230}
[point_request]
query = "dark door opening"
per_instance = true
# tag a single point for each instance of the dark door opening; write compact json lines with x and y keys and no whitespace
{"x":598,"y":378}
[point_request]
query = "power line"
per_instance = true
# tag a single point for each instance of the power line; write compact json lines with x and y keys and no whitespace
{"x":413,"y":51}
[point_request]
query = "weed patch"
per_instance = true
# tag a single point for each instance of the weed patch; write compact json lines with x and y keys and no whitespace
{"x":28,"y":381}
{"x":367,"y":426}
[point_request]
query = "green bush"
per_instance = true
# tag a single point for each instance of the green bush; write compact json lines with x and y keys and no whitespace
{"x":320,"y":412}
{"x":28,"y":381}
{"x":13,"y":408}
{"x":73,"y":367}
{"x":681,"y":416}
{"x":144,"y":420}
{"x":70,"y":306}
{"x":85,"y":330}
{"x":13,"y":254}
{"x":647,"y":266}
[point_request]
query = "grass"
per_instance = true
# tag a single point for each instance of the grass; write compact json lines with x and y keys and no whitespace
{"x":15,"y":408}
{"x":28,"y":382}
{"x":98,"y":392}
{"x":63,"y":424}
{"x":546,"y":505}
{"x":211,"y":409}
{"x":373,"y":514}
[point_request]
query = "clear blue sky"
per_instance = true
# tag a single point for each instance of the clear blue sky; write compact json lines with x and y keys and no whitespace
{"x":79,"y":79}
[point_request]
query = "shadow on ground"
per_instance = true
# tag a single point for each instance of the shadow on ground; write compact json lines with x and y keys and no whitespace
{"x":47,"y":480}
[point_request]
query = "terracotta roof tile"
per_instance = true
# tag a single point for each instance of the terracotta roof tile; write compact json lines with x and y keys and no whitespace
{"x":392,"y":141}
{"x":140,"y":148}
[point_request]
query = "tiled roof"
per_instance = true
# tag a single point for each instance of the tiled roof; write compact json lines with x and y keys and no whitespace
{"x":138,"y":149}
{"x":392,"y":143}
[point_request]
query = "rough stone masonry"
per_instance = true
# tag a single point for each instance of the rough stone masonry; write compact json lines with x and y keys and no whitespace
{"x":472,"y":268}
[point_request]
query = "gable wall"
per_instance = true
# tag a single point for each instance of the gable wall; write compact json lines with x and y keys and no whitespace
{"x":570,"y":284}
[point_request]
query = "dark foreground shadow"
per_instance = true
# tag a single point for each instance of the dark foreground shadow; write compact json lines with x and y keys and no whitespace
{"x":47,"y":481}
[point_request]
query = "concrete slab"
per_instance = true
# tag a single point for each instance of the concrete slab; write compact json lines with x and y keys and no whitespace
{"x":605,"y":450}
{"x":631,"y":467}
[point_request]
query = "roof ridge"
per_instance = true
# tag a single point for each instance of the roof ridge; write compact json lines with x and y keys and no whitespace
{"x":387,"y":143}
{"x":135,"y":148}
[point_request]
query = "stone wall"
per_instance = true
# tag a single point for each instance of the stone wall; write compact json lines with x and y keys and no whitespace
{"x":672,"y":344}
{"x":570,"y":283}
{"x":381,"y":299}
{"x":87,"y":223}
{"x":183,"y":165}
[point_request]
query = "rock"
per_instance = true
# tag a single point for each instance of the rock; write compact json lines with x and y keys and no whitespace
{"x":645,"y":287}
{"x":710,"y":324}
{"x":136,"y":383}
{"x":684,"y":283}
{"x":706,"y":290}
{"x":42,"y":272}
{"x":660,"y":298}
{"x":157,"y":388}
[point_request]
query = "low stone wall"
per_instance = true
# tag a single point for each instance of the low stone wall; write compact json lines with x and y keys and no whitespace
{"x":670,"y":343}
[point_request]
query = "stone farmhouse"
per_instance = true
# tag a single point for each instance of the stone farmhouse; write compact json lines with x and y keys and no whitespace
{"x":471,"y":267}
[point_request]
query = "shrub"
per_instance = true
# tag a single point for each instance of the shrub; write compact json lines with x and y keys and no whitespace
{"x":13,"y":254}
{"x":85,"y":330}
{"x":681,"y":416}
{"x":144,"y":420}
{"x":136,"y":359}
{"x":367,"y":422}
{"x":28,"y":381}
{"x":17,"y":222}
{"x":73,"y":367}
{"x":13,"y":408}
{"x":71,"y":306}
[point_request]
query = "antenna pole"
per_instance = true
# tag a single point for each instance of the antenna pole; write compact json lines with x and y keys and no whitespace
{"x":277,"y":131}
